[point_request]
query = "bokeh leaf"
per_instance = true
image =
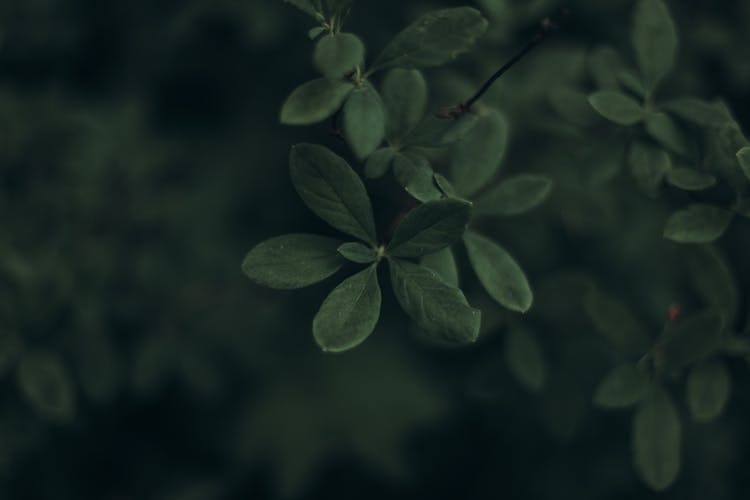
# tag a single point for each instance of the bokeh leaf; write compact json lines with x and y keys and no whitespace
{"x":693,"y":338}
{"x":614,"y":321}
{"x":46,"y":384}
{"x":690,"y":179}
{"x":476,"y":158}
{"x":707,"y":390}
{"x":405,"y":97}
{"x":314,"y":101}
{"x":654,"y":39}
{"x":657,"y":439}
{"x":617,"y":107}
{"x":622,"y":387}
{"x":698,"y":223}
{"x":515,"y":195}
{"x":524,"y":358}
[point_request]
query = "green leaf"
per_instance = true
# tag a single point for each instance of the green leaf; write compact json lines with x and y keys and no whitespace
{"x":614,"y":321}
{"x":690,"y":179}
{"x":46,"y":384}
{"x":350,"y":312}
{"x":663,"y":129}
{"x":445,"y":186}
{"x":515,"y":196}
{"x":524,"y":358}
{"x":435,"y":306}
{"x":698,"y":223}
{"x":430,"y":227}
{"x":292,"y":261}
{"x":314,"y":101}
{"x":331,"y":189}
{"x":707,"y":390}
{"x":337,"y":54}
{"x":435,"y":132}
{"x":358,"y":253}
{"x":622,"y":387}
{"x":697,"y":111}
{"x":654,"y":39}
{"x":434,"y":39}
{"x":572,"y":105}
{"x":364,"y":121}
{"x":692,"y":339}
{"x":414,"y":173}
{"x":308,"y":7}
{"x":657,"y":439}
{"x":648,"y":165}
{"x":11,"y":347}
{"x":713,"y":280}
{"x":444,"y":264}
{"x":604,"y":65}
{"x":498,"y":272}
{"x":617,"y":107}
{"x":743,"y":156}
{"x":476,"y":158}
{"x":379,"y":162}
{"x":315,"y":32}
{"x":405,"y":98}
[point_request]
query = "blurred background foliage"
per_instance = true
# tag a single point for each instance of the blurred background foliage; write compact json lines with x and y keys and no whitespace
{"x":141,"y":156}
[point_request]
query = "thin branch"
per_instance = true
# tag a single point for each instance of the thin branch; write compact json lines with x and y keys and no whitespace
{"x":548,"y":25}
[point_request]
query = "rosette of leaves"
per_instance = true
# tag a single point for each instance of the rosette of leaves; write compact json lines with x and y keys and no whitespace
{"x":334,"y":192}
{"x":694,"y":344}
{"x":690,"y":144}
{"x":345,"y":90}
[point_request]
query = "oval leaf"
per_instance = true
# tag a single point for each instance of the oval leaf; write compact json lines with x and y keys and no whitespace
{"x":379,"y":162}
{"x":349,"y":314}
{"x":524,"y":358}
{"x":708,"y":387}
{"x":331,"y":189}
{"x":416,"y":176}
{"x":690,"y":179}
{"x":692,"y":339}
{"x":657,"y":439}
{"x":498,"y":272}
{"x":515,"y":195}
{"x":648,"y":165}
{"x":435,"y":132}
{"x":655,"y":41}
{"x":358,"y":253}
{"x":698,"y":112}
{"x":292,"y":261}
{"x":698,"y":223}
{"x":444,"y":263}
{"x":477,"y":157}
{"x":662,"y":128}
{"x":617,"y":107}
{"x":46,"y":384}
{"x":614,"y":321}
{"x":435,"y":306}
{"x":405,"y":98}
{"x":622,"y":387}
{"x":314,"y":101}
{"x":364,"y":121}
{"x":337,"y":54}
{"x":434,"y":39}
{"x":430,"y":227}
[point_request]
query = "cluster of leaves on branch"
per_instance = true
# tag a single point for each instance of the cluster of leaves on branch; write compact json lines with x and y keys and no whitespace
{"x":686,"y":144}
{"x":390,"y":131}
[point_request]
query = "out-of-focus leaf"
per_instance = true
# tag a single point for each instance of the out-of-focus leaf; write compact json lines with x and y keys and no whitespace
{"x":337,"y":54}
{"x":698,"y":223}
{"x":714,"y":281}
{"x":743,"y":156}
{"x":434,"y":132}
{"x":648,"y":165}
{"x":692,"y":339}
{"x":515,"y":195}
{"x":46,"y":384}
{"x":525,"y":360}
{"x":622,"y":387}
{"x":476,"y":158}
{"x":661,"y":127}
{"x":314,"y":101}
{"x":614,"y":321}
{"x":617,"y":107}
{"x":405,"y":98}
{"x":379,"y":162}
{"x":697,"y":111}
{"x":707,"y":390}
{"x":655,"y":41}
{"x":657,"y":439}
{"x":690,"y":179}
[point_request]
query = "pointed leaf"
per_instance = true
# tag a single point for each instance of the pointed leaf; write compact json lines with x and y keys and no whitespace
{"x":515,"y":195}
{"x":349,"y":314}
{"x":292,"y":261}
{"x":46,"y":384}
{"x":617,"y":107}
{"x":663,"y":129}
{"x":331,"y":189}
{"x":690,"y":179}
{"x":692,"y":339}
{"x":698,"y":223}
{"x":405,"y":98}
{"x":358,"y":253}
{"x":314,"y":101}
{"x":707,"y":390}
{"x":429,"y":228}
{"x":698,"y":112}
{"x":714,"y":281}
{"x":337,"y":54}
{"x":444,"y":264}
{"x":476,"y":158}
{"x":622,"y":387}
{"x":445,"y":186}
{"x":657,"y":439}
{"x":434,"y":39}
{"x":524,"y":358}
{"x":435,"y":306}
{"x":655,"y":41}
{"x":364,"y":121}
{"x":414,"y":173}
{"x":614,"y":321}
{"x":379,"y":162}
{"x":498,"y":272}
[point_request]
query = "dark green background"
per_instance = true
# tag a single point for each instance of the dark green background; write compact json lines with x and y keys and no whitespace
{"x":141,"y":157}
